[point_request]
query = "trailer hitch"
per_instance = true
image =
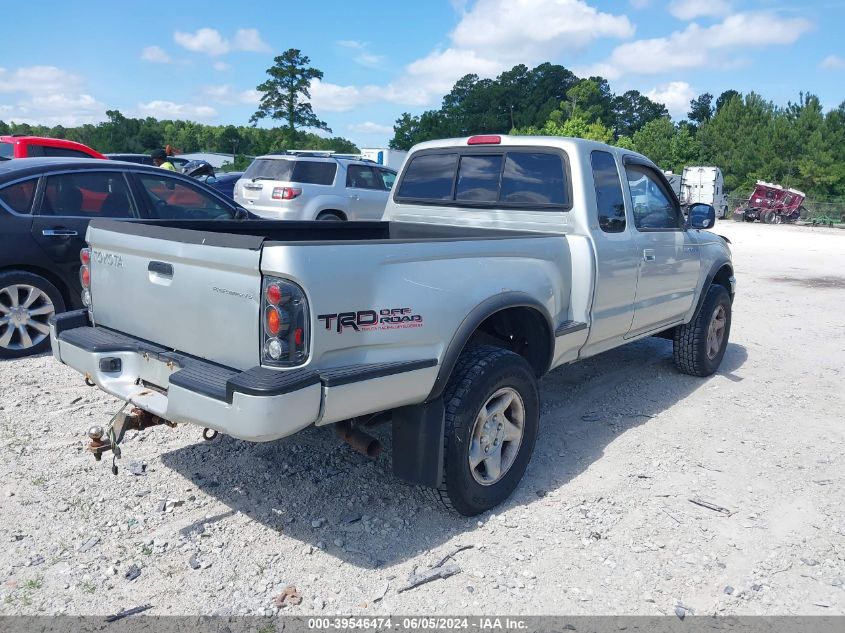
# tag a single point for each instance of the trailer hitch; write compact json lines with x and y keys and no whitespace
{"x":109,"y":439}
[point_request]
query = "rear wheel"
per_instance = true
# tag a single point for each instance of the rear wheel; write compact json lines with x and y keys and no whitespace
{"x":330,"y":216}
{"x":26,"y":302}
{"x":492,"y":417}
{"x":700,"y":345}
{"x":769,"y":217}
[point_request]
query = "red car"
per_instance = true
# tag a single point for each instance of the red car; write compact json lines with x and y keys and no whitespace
{"x":39,"y":146}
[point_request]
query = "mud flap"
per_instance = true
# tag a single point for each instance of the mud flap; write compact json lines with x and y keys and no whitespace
{"x":418,"y":443}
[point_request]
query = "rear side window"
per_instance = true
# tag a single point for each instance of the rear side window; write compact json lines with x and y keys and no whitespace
{"x":609,"y":197}
{"x":311,"y":172}
{"x":511,"y":179}
{"x":87,"y":194}
{"x":478,"y":178}
{"x":361,"y":177}
{"x":429,"y":177}
{"x":54,"y":152}
{"x":270,"y":169}
{"x":62,"y":152}
{"x":18,"y":197}
{"x":533,"y":178}
{"x":7,"y":151}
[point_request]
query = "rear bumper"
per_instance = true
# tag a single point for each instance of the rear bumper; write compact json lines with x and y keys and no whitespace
{"x":258,"y":405}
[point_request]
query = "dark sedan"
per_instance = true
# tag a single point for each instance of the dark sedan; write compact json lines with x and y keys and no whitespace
{"x":224,"y":182}
{"x":45,"y":207}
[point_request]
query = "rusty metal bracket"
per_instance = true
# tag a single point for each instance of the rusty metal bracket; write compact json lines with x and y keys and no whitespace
{"x":137,"y":420}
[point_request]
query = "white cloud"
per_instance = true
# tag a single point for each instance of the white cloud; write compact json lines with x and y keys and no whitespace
{"x":221,"y":66}
{"x":695,"y":47}
{"x":691,"y":9}
{"x":47,"y":95}
{"x":833,"y":62}
{"x":156,"y":55}
{"x":491,"y":36}
{"x":355,"y":44}
{"x":170,"y":110}
{"x":212,"y":43}
{"x":368,"y":127}
{"x":208,"y":41}
{"x":226,"y":95}
{"x":249,"y":40}
{"x":675,"y":95}
{"x":364,"y":56}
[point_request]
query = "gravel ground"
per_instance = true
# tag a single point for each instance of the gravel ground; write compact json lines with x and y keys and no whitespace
{"x":602,"y":523}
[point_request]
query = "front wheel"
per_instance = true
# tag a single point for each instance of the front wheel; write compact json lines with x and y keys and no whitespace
{"x":492,"y":416}
{"x":699,"y":346}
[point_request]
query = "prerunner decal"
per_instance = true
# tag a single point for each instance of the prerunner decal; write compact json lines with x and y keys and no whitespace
{"x":365,"y":320}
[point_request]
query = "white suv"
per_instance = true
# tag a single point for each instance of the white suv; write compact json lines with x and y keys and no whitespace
{"x":315,"y":186}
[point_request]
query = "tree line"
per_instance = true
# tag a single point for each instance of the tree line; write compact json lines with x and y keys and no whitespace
{"x":125,"y":134}
{"x":748,"y":137}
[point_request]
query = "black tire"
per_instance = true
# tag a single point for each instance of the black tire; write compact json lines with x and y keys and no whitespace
{"x":330,"y":216}
{"x":15,"y":347}
{"x":769,"y":217}
{"x":690,"y":346}
{"x":481,"y":372}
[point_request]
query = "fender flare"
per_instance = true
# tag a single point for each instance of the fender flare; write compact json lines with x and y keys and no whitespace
{"x":479,"y":314}
{"x":715,"y":269}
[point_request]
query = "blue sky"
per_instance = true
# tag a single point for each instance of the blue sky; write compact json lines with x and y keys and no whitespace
{"x":67,"y":62}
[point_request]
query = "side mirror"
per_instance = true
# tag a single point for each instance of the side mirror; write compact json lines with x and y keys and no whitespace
{"x":701,"y":216}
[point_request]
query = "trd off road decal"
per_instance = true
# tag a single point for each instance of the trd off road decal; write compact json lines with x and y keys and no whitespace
{"x":364,"y":320}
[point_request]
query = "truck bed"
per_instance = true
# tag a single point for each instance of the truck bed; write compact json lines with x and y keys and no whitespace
{"x":252,"y":234}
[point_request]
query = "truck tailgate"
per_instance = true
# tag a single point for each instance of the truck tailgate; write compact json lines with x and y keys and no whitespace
{"x":190,"y":291}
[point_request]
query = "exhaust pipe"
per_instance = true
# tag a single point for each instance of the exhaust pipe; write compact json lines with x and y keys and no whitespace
{"x":362,"y":442}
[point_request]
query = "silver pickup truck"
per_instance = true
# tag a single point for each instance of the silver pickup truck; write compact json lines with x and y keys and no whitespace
{"x":499,"y":259}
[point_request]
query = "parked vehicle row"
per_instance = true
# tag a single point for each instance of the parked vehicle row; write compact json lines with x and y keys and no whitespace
{"x":45,"y":207}
{"x":499,"y":258}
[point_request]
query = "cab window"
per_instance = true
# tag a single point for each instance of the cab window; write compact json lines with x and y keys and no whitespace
{"x":653,"y":207}
{"x":609,"y":200}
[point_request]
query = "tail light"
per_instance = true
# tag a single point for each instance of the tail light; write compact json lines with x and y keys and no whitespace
{"x":284,"y":323}
{"x":85,"y":275}
{"x":286,"y":193}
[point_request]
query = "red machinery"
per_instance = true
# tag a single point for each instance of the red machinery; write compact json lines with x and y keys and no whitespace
{"x":772,"y":204}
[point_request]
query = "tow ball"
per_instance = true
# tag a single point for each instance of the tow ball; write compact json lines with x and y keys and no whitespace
{"x":109,"y":439}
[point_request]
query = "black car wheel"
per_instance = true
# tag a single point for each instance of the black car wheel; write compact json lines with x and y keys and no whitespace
{"x":492,"y":418}
{"x":26,"y":302}
{"x":700,"y":345}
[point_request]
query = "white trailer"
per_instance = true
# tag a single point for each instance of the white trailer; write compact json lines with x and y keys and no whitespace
{"x":392,"y":158}
{"x":706,"y":185}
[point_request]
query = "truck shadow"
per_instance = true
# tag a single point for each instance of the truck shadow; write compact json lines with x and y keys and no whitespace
{"x":315,"y":490}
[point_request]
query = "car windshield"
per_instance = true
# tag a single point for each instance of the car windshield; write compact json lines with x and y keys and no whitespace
{"x":7,"y":151}
{"x":270,"y":169}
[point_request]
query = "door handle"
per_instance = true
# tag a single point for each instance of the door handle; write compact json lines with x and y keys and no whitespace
{"x":648,"y":255}
{"x":59,"y":233}
{"x":161,"y":268}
